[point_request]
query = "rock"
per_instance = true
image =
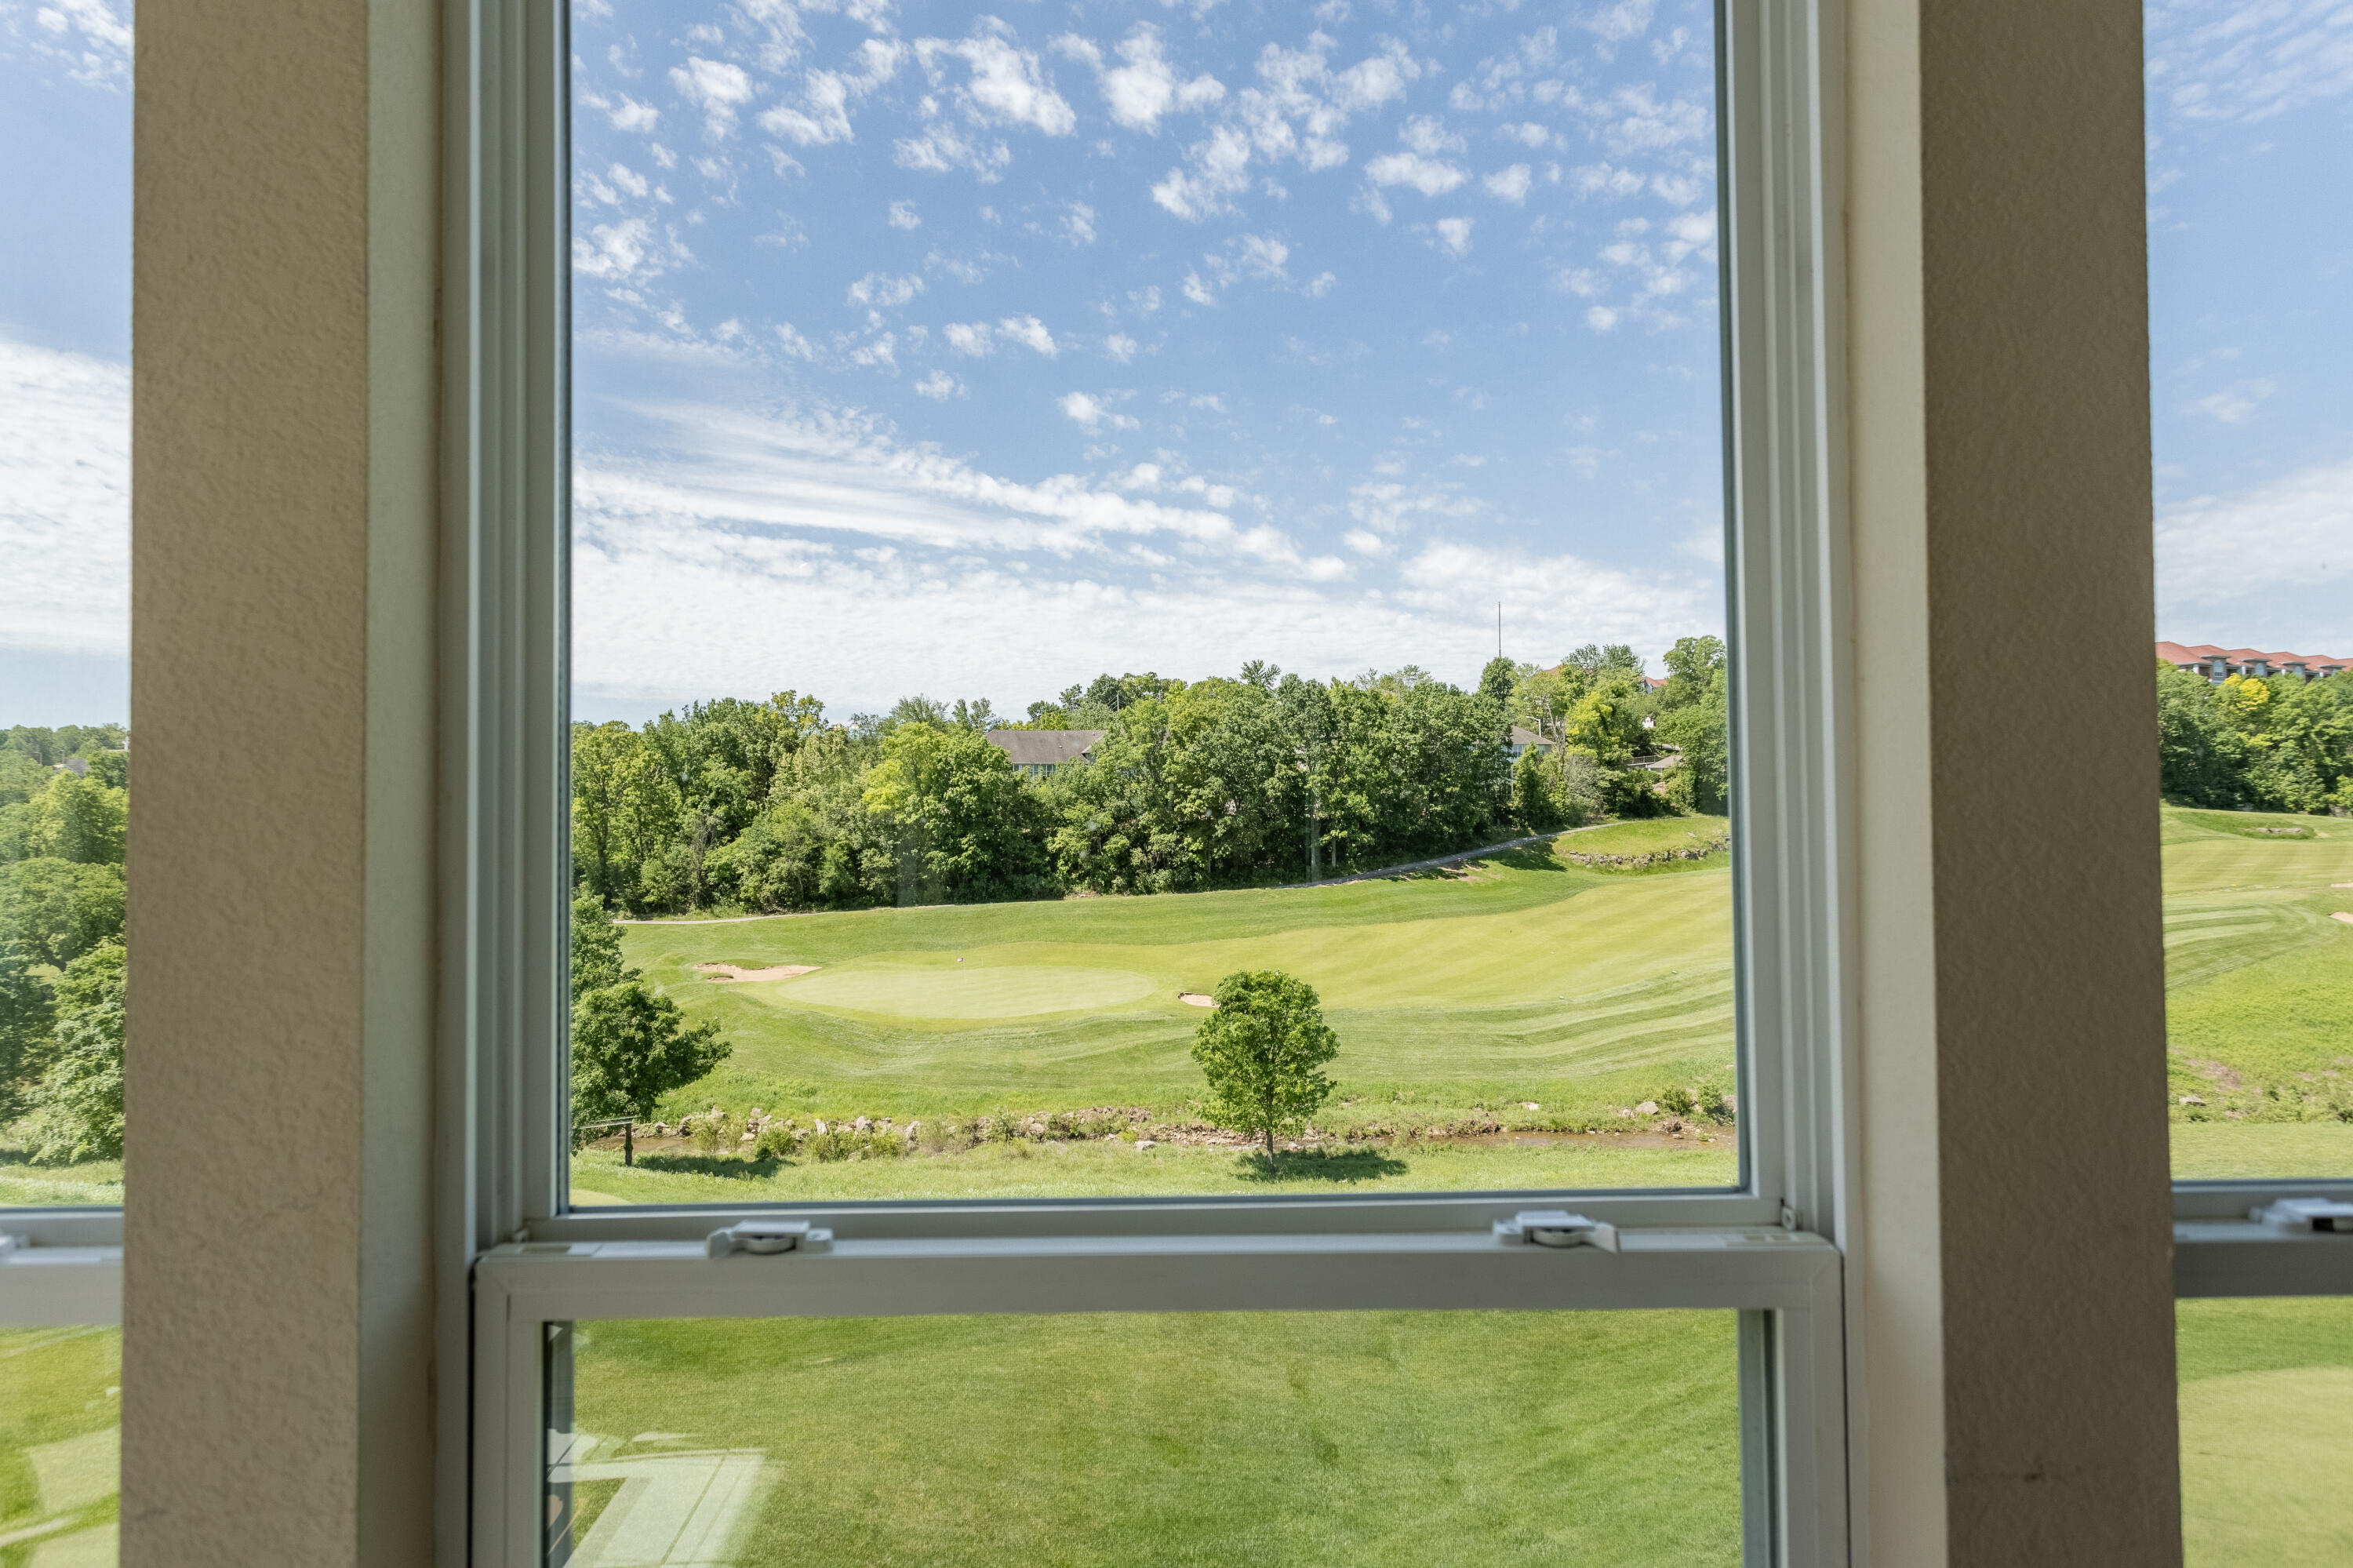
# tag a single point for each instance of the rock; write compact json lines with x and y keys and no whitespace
{"x":862,"y":1125}
{"x":1623,"y":1111}
{"x":1648,"y":1107}
{"x":749,"y":1138}
{"x":1144,"y":1143}
{"x":820,"y":1124}
{"x":2192,"y":1100}
{"x":1530,"y":1104}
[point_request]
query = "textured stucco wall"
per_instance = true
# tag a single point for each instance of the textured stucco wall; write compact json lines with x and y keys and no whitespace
{"x":2013,"y":1008}
{"x":276,"y":1341}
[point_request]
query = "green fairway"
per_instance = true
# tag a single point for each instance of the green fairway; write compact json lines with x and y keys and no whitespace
{"x":2266,"y":1432}
{"x":1519,"y":993}
{"x":60,"y":1445}
{"x":2259,"y":993}
{"x":1377,"y":1437}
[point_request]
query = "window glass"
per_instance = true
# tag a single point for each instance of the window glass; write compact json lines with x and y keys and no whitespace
{"x":2266,"y":1431}
{"x":60,"y":1445}
{"x":1050,"y":486}
{"x":65,"y":552}
{"x":1204,"y":1437}
{"x":2251,"y":221}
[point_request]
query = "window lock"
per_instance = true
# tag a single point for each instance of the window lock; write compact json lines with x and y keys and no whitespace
{"x":769,"y":1236}
{"x":2303,"y":1216}
{"x":1555,"y":1227}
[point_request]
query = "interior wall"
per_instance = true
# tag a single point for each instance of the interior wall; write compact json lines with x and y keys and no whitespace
{"x":2019,"y":1337}
{"x":277,"y":1287}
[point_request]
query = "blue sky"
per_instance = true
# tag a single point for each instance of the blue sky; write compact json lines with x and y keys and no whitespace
{"x":972,"y":351}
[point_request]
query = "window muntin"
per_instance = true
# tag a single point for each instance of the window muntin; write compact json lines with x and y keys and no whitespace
{"x":2251,"y":341}
{"x":65,"y":582}
{"x":930,"y":351}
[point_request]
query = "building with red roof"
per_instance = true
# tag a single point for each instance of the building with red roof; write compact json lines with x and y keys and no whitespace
{"x":2219,"y":665}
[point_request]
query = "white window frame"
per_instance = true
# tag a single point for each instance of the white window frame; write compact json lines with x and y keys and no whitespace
{"x":1766,"y":1247}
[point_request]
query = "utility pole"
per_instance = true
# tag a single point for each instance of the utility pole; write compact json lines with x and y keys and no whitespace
{"x":1499,"y":629}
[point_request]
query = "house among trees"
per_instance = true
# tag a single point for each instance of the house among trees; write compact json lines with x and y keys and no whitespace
{"x":1036,"y":753}
{"x":2219,"y":665}
{"x":1522,"y":738}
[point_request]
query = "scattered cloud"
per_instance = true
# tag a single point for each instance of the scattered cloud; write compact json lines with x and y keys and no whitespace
{"x":880,"y":291}
{"x":716,"y":87}
{"x":2235,"y":404}
{"x":65,"y":502}
{"x":939,"y":384}
{"x":1120,"y":347}
{"x":1509,"y":185}
{"x":88,"y":37}
{"x":1091,"y":414}
{"x":1454,"y":235}
{"x":2242,"y":63}
{"x":903,"y":215}
{"x":1144,"y":86}
{"x":1006,"y":86}
{"x":2256,"y":547}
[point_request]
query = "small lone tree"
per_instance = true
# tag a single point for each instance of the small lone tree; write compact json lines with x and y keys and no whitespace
{"x":1262,"y":1051}
{"x":630,"y":1043}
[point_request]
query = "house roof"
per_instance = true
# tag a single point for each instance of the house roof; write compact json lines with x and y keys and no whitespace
{"x":1044,"y":748}
{"x":2202,"y":653}
{"x":1523,"y":735}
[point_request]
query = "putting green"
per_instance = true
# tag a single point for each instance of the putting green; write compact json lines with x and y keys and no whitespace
{"x":968,"y":991}
{"x":2263,"y":1457}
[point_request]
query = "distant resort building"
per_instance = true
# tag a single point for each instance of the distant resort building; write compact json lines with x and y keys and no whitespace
{"x":2219,"y":665}
{"x":1036,"y":753}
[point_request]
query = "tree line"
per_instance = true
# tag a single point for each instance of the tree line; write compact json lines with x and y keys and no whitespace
{"x":2281,"y":743}
{"x":64,"y":808}
{"x":1228,"y":781}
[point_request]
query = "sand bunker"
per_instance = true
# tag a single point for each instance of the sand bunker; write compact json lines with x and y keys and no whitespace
{"x":1196,"y":999}
{"x":737,"y":972}
{"x":2341,"y":915}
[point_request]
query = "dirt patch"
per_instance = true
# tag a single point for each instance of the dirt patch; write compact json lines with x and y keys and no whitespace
{"x":725,"y":972}
{"x":2225,"y":1077}
{"x":1196,"y":999}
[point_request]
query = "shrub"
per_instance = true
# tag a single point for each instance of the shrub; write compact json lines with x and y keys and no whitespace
{"x":1262,"y":1051}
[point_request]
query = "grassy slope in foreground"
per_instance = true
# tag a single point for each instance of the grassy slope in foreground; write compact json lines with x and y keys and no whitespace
{"x":2266,"y":1432}
{"x":1440,"y":1438}
{"x":1460,"y":997}
{"x":2259,"y":993}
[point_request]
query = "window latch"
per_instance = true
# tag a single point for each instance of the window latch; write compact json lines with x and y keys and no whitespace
{"x":768,"y":1237}
{"x":1555,"y":1227}
{"x":9,"y":1244}
{"x":2303,"y":1216}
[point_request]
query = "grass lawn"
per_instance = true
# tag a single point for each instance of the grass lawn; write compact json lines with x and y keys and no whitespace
{"x":2266,"y":1432}
{"x":1410,"y":1439}
{"x":1518,"y":992}
{"x":60,"y":1464}
{"x":2259,"y":993}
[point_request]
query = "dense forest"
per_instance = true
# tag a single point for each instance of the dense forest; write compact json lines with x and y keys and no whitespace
{"x":64,"y":806}
{"x":1221,"y":782}
{"x":2279,"y":745}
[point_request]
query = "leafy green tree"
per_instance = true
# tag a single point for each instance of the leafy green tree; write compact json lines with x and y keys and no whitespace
{"x":968,"y":828}
{"x":630,"y":1046}
{"x":1498,"y":680}
{"x":27,"y":1014}
{"x":595,"y":947}
{"x":76,"y":1105}
{"x":1264,"y":1050}
{"x":1698,"y":730}
{"x":1692,"y":664}
{"x":57,"y":910}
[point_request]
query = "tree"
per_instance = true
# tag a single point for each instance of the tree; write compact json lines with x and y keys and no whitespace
{"x":1497,"y":680}
{"x":57,"y":910}
{"x":1262,"y":1052}
{"x":26,"y":1015}
{"x":595,"y":947}
{"x":969,"y":829}
{"x":77,"y":1106}
{"x":630,"y":1046}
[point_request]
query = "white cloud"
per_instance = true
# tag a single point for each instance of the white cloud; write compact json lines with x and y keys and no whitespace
{"x":1427,"y":135}
{"x":1006,"y":87}
{"x":1030,"y":333}
{"x":795,"y":344}
{"x":2235,"y":404}
{"x":715,"y":86}
{"x":1079,"y":224}
{"x":2246,"y":63}
{"x":1090,"y":413}
{"x":629,"y":251}
{"x":628,"y":114}
{"x":1528,"y":135}
{"x":86,"y":38}
{"x":1120,"y":347}
{"x":823,"y":114}
{"x":1430,"y":176}
{"x":1320,"y":284}
{"x":1143,"y":89}
{"x":1601,"y":318}
{"x":1454,"y":234}
{"x":1295,"y":112}
{"x":1615,"y":24}
{"x":65,"y":502}
{"x":1219,"y":169}
{"x":940,"y":384}
{"x":969,"y":338}
{"x":903,"y":215}
{"x":1605,"y":179}
{"x":1365,"y":542}
{"x":943,"y":148}
{"x":2257,"y":548}
{"x":1509,"y":185}
{"x":1197,"y":291}
{"x":881,"y":290}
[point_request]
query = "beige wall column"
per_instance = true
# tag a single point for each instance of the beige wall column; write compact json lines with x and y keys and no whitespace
{"x":2014,"y":1253}
{"x":278,"y":1304}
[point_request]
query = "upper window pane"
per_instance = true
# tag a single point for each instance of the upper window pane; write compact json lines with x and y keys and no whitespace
{"x":2251,"y":221}
{"x":65,"y":580}
{"x":1049,"y":484}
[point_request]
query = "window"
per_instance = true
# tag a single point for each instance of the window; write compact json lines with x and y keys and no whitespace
{"x":563,"y":1275}
{"x":2248,"y":330}
{"x":65,"y":538}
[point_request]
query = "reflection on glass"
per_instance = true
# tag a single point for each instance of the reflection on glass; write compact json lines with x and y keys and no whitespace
{"x":60,"y":1446}
{"x":65,"y":547}
{"x":1421,"y":1438}
{"x":2266,"y":1432}
{"x":2251,"y":220}
{"x":1049,"y":488}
